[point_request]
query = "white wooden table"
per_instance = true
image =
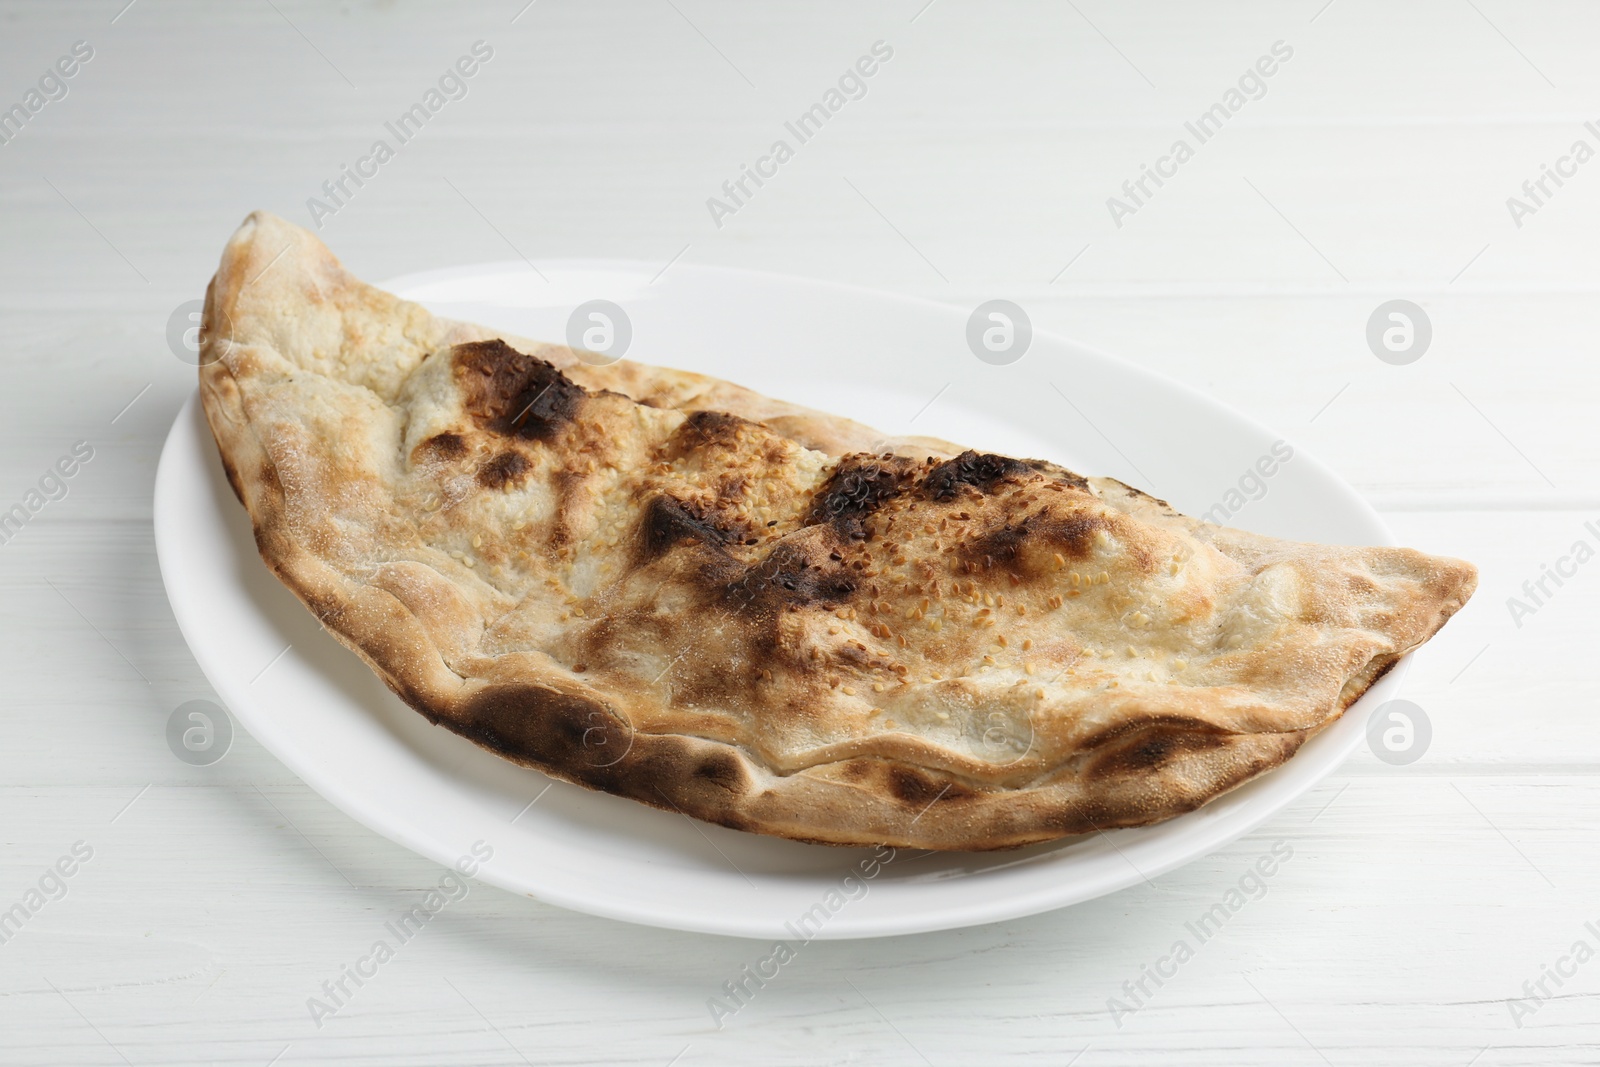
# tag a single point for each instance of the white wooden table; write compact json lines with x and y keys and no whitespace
{"x":1376,"y":165}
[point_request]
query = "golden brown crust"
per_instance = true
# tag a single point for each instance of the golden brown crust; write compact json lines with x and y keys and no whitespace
{"x":908,"y":644}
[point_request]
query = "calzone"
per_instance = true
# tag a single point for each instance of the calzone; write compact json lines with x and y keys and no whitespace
{"x":670,"y":588}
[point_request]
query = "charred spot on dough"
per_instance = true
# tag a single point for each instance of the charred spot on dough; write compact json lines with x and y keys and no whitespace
{"x":1032,"y":543}
{"x":442,"y":445}
{"x":856,"y":770}
{"x":1149,"y":746}
{"x":515,"y":394}
{"x":669,"y":522}
{"x":703,"y":428}
{"x":981,"y":470}
{"x":788,"y":578}
{"x":724,"y":771}
{"x":585,"y":740}
{"x":920,"y":789}
{"x":1001,"y":544}
{"x":1070,"y":535}
{"x":506,"y":469}
{"x":533,"y":723}
{"x":859,"y":485}
{"x":1074,"y":533}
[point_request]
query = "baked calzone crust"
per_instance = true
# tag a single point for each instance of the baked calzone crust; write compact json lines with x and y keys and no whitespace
{"x":670,"y":588}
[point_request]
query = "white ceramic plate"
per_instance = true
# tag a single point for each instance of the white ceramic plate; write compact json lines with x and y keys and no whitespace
{"x":899,"y":364}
